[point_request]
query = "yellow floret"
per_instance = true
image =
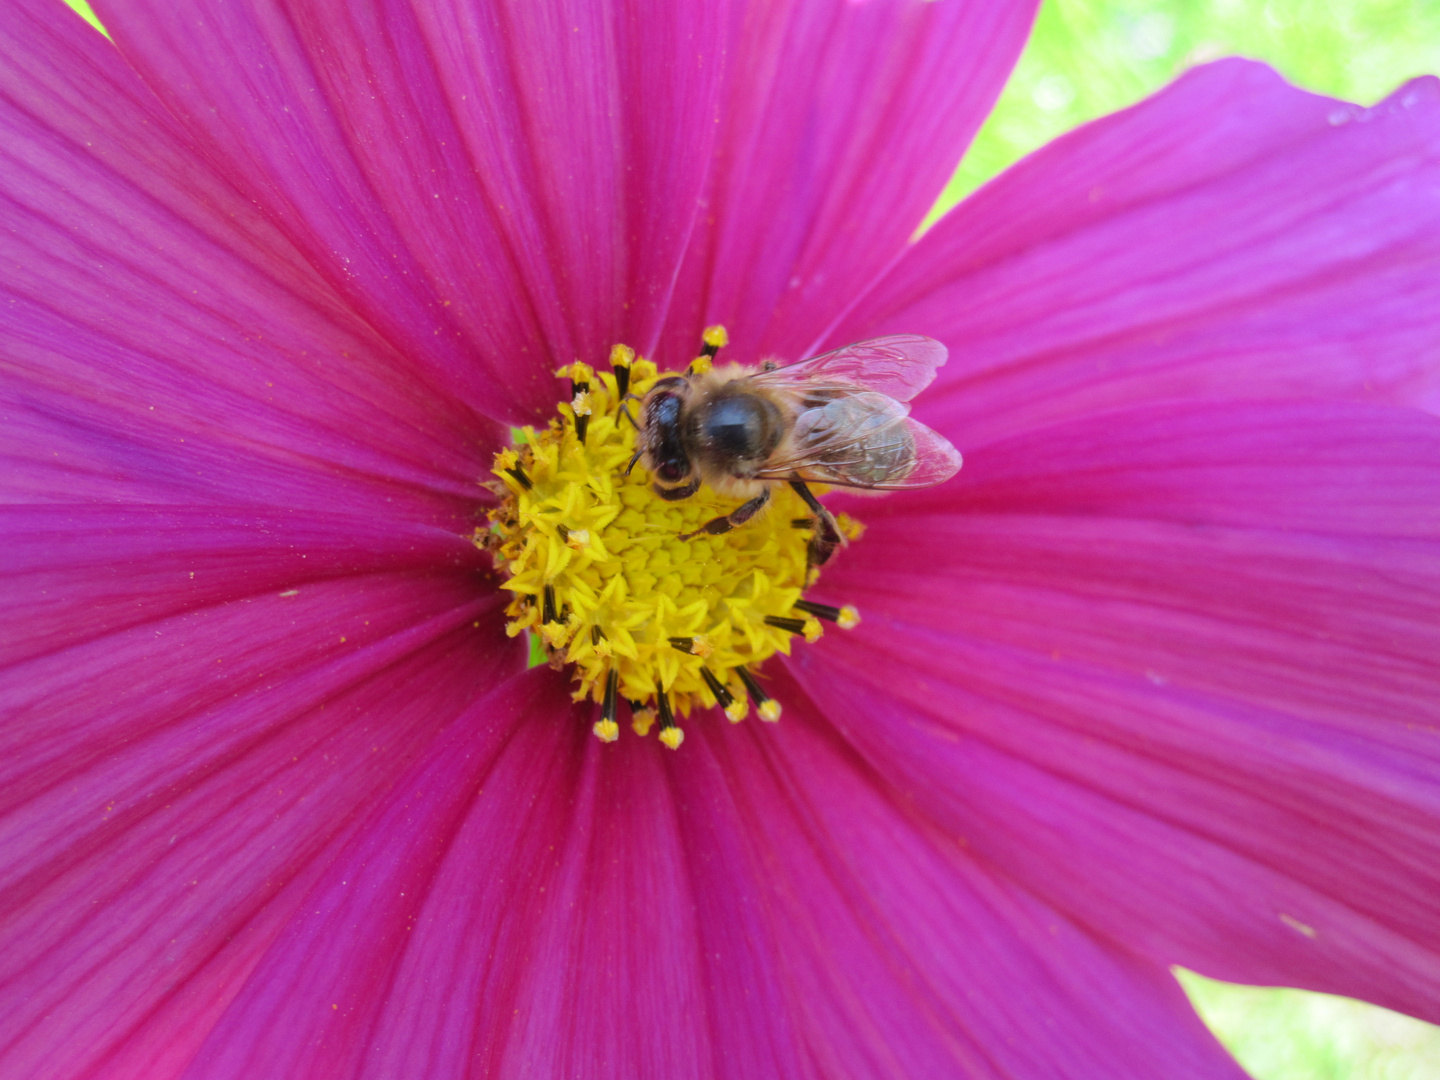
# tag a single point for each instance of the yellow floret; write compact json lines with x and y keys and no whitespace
{"x":597,"y":569}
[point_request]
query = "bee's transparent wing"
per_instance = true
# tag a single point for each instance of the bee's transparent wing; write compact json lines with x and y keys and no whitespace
{"x":898,"y":366}
{"x":864,"y":440}
{"x":936,"y":460}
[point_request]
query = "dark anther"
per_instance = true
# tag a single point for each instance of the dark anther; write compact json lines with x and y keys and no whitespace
{"x":790,"y":626}
{"x":722,"y":696}
{"x":595,"y":636}
{"x":684,"y":644}
{"x":622,"y":380}
{"x":758,"y":696}
{"x":667,"y":718}
{"x":802,"y":523}
{"x":708,"y":350}
{"x":612,"y":684}
{"x":548,"y":613}
{"x":581,"y":422}
{"x":520,"y":478}
{"x":562,"y":532}
{"x":820,"y":611}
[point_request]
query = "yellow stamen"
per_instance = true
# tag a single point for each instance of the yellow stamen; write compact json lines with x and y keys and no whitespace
{"x":715,"y":337}
{"x":597,"y":569}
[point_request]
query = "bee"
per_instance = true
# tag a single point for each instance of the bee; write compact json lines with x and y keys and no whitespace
{"x":838,"y":419}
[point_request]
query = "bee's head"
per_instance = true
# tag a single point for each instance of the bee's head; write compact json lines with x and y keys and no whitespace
{"x":661,"y":438}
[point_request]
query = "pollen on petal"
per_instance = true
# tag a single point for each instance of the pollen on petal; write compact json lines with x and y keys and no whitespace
{"x":641,"y":721}
{"x":852,"y":529}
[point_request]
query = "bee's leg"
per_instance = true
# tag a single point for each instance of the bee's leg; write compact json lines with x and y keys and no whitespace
{"x":675,"y":494}
{"x":827,"y":534}
{"x":633,"y":459}
{"x":737,"y":517}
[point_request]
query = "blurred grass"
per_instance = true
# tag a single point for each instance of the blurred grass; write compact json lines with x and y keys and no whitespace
{"x":1294,"y":1035}
{"x":1090,"y":57}
{"x":89,"y":15}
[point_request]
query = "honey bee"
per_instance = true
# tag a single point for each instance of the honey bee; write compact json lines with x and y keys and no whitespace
{"x":838,"y":419}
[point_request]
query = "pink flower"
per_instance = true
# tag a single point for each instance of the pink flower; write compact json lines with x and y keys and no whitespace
{"x":1153,"y":682}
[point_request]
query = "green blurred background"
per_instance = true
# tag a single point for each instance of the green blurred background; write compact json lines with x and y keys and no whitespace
{"x":1090,"y":57}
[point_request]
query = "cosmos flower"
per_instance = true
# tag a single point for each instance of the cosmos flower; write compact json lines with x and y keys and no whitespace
{"x":1153,"y":682}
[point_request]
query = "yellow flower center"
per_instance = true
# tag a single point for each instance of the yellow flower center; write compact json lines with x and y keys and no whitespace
{"x":600,"y":574}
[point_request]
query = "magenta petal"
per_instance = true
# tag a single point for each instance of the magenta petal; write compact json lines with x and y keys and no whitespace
{"x":1173,"y":671}
{"x":78,"y":573}
{"x":171,"y":792}
{"x":842,"y":123}
{"x":901,"y":954}
{"x":163,"y":342}
{"x":518,"y":906}
{"x":754,"y":1013}
{"x":616,"y":987}
{"x":1230,"y":237}
{"x":447,"y":855}
{"x":511,"y":191}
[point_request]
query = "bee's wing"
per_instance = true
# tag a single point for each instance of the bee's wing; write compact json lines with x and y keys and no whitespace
{"x":936,"y":460}
{"x":898,"y":366}
{"x":864,"y":440}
